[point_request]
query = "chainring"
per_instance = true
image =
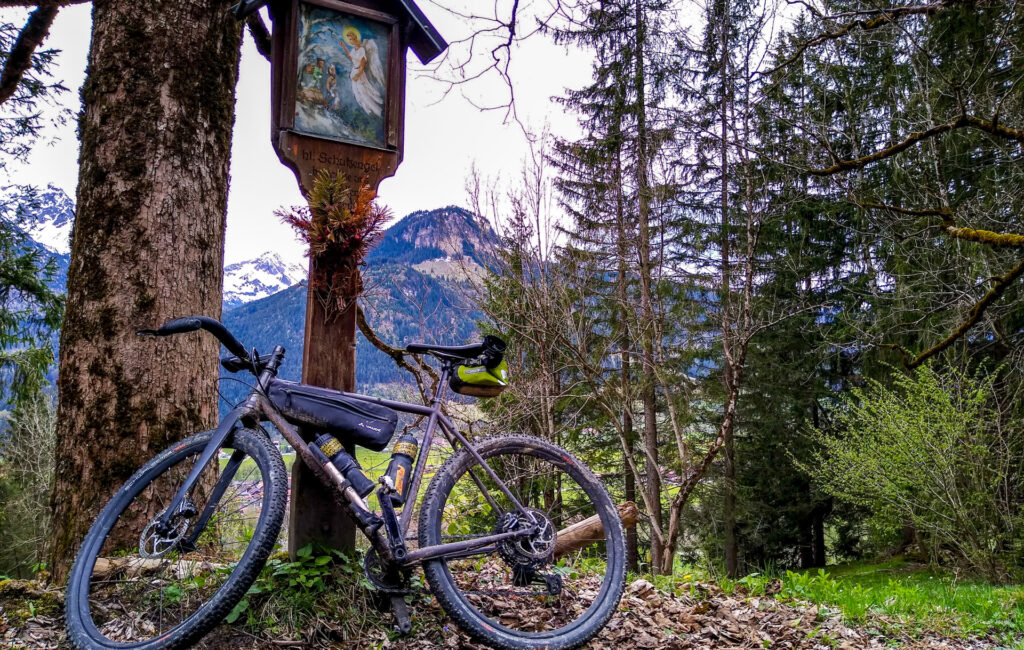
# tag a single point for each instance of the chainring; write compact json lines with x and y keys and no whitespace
{"x":383,"y":576}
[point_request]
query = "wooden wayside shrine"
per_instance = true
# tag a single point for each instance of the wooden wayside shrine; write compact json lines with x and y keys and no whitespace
{"x":338,"y":103}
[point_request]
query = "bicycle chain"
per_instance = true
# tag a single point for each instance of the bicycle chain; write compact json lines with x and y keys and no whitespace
{"x":406,"y":591}
{"x":444,"y":539}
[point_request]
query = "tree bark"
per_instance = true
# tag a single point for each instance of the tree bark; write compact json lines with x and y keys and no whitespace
{"x":732,"y":567}
{"x":586,"y":532}
{"x":147,"y":245}
{"x":729,"y":367}
{"x":625,"y":339}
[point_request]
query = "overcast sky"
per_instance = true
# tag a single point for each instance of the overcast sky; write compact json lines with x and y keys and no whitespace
{"x":445,"y":133}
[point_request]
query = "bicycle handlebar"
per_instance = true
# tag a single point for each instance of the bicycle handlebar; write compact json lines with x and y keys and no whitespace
{"x":193,"y":323}
{"x":244,"y":8}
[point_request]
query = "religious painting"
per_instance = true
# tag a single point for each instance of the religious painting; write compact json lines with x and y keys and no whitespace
{"x":341,"y":85}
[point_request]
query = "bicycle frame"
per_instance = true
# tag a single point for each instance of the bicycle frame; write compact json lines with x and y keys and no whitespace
{"x":258,"y":407}
{"x":437,"y":418}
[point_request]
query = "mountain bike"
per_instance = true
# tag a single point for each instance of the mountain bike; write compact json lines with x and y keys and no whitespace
{"x":497,"y":531}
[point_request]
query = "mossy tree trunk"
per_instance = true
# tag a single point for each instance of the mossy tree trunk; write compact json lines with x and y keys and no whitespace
{"x":148,"y":245}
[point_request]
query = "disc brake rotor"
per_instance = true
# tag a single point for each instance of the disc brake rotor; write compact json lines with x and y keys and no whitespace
{"x":533,"y":551}
{"x":158,"y":540}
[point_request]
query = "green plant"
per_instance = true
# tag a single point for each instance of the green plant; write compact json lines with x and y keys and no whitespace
{"x":905,"y":597}
{"x":935,"y":452}
{"x":322,"y":592}
{"x":340,"y":224}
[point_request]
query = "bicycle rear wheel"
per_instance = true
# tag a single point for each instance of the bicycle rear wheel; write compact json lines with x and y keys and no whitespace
{"x":134,"y":587}
{"x":526,"y":592}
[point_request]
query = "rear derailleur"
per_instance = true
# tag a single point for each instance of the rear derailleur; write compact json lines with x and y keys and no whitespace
{"x":527,"y":555}
{"x":524,"y":576}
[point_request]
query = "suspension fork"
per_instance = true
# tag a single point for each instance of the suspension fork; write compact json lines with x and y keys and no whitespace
{"x":226,"y":427}
{"x":226,"y":476}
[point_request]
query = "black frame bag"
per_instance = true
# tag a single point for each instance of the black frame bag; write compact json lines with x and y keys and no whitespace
{"x":352,"y":421}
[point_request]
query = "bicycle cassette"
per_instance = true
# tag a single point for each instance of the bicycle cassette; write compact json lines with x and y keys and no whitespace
{"x":533,"y":551}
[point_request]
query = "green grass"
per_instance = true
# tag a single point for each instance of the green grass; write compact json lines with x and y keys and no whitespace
{"x":908,"y":596}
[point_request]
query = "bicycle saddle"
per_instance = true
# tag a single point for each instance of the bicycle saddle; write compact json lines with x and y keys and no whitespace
{"x":454,"y":351}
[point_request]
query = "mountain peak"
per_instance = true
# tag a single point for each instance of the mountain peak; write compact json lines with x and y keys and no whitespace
{"x":49,"y":214}
{"x":446,"y":234}
{"x":258,"y":278}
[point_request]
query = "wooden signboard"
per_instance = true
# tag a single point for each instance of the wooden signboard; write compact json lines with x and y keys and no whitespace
{"x":338,"y":84}
{"x":338,"y":102}
{"x":338,"y":91}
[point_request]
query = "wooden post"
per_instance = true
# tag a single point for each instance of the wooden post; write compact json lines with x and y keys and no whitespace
{"x":328,"y":359}
{"x":327,"y":114}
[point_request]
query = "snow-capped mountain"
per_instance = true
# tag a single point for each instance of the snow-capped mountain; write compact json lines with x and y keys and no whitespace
{"x":259,"y":278}
{"x":47,"y":216}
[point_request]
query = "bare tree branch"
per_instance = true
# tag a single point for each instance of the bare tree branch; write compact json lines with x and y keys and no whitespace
{"x":996,"y":239}
{"x":885,"y":17}
{"x":260,"y":34}
{"x":945,"y":213}
{"x":964,"y":121}
{"x":892,"y":150}
{"x":988,"y":237}
{"x":396,"y":354}
{"x":1002,"y":283}
{"x":20,"y":58}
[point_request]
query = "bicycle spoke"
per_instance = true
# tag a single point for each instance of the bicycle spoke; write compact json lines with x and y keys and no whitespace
{"x":518,"y":584}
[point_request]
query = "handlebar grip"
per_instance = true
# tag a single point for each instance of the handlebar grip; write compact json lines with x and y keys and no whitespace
{"x":175,"y":326}
{"x":193,"y":323}
{"x":180,"y":326}
{"x":244,"y":8}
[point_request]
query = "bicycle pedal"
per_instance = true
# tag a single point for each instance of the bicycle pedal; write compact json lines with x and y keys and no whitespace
{"x":403,"y":622}
{"x":553,"y":582}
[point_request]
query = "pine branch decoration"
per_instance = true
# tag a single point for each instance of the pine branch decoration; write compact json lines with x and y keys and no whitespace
{"x":340,"y":225}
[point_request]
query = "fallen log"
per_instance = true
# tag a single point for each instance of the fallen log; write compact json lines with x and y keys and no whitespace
{"x":135,"y":566}
{"x":582,"y":533}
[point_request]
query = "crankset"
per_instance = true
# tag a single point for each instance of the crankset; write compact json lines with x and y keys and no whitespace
{"x":384,"y":576}
{"x":393,"y":583}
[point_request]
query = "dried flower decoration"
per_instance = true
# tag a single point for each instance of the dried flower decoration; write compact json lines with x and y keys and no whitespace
{"x":340,"y":225}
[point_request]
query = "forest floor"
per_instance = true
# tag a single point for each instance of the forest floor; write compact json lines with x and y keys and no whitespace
{"x":905,"y":593}
{"x":697,"y":616}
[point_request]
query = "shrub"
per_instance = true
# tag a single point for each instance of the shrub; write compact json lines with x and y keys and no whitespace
{"x":26,"y":477}
{"x":932,"y":451}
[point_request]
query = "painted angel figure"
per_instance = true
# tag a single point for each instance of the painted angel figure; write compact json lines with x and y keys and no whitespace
{"x":367,"y":72}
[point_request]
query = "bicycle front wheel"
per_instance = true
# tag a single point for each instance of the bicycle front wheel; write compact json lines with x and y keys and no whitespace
{"x":538,"y":590}
{"x":138,"y":584}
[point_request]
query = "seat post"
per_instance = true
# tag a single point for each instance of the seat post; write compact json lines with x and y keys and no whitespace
{"x":446,"y":371}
